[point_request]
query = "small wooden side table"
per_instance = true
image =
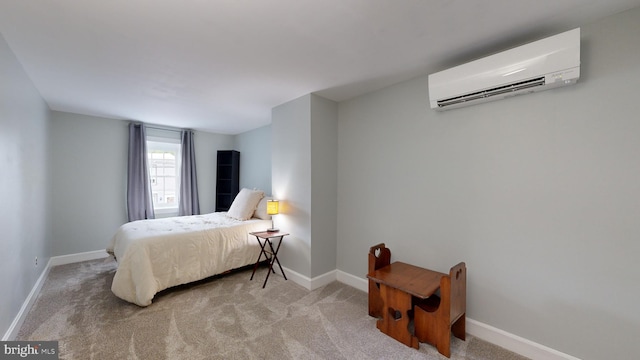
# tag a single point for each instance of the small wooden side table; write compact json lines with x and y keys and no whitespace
{"x":270,"y":253}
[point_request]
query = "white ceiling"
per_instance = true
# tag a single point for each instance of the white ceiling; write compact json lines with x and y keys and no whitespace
{"x":222,"y":65}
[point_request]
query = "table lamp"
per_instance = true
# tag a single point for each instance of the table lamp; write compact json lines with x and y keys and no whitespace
{"x":272,"y":209}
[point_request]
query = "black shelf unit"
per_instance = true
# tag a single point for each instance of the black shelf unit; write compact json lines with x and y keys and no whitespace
{"x":227,"y":178}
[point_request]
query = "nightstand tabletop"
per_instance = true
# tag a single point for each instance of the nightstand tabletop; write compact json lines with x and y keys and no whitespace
{"x":269,"y":234}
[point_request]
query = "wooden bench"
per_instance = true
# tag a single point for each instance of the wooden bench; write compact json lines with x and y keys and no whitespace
{"x":434,"y":317}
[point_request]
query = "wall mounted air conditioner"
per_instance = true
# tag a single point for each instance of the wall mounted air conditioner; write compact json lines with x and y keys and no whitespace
{"x":537,"y":66}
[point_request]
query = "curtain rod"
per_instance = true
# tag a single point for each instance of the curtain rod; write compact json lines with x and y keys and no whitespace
{"x":160,"y":127}
{"x":163,"y":128}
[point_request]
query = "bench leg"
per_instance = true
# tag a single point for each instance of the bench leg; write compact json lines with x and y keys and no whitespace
{"x":396,"y":315}
{"x":459,"y":328}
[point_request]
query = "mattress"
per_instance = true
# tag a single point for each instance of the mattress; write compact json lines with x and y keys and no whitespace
{"x":157,"y":254}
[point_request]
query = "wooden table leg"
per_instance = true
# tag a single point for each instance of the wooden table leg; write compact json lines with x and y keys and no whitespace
{"x":396,"y":315}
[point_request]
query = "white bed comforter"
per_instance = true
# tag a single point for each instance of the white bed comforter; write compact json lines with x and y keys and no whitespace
{"x":154,"y":255}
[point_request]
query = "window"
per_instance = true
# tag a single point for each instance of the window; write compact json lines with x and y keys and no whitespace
{"x":164,"y":155}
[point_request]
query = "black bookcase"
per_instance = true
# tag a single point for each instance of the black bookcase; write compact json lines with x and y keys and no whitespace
{"x":227,"y":178}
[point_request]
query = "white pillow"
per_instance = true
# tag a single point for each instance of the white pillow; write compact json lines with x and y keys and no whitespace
{"x":261,"y":210}
{"x":245,"y":204}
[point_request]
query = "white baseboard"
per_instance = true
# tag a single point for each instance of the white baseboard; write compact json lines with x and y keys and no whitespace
{"x":297,"y":278}
{"x":74,"y":258}
{"x":353,"y":281}
{"x":308,"y":283}
{"x":15,"y":326}
{"x":514,"y":343}
{"x":324,"y":279}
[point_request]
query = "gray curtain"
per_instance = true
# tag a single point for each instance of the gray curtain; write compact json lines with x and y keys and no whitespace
{"x":139,"y":202}
{"x":189,"y":204}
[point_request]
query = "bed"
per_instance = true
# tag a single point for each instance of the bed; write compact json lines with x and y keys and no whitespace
{"x":154,"y":255}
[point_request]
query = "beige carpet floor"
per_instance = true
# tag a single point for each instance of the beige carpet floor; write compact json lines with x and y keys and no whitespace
{"x":225,"y":317}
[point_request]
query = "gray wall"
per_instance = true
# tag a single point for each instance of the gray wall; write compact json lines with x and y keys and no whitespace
{"x":255,"y":158}
{"x":304,"y":173}
{"x":89,"y":172}
{"x":291,"y":179}
{"x":538,"y":194}
{"x":88,"y":175}
{"x":324,"y":184}
{"x":24,"y":186}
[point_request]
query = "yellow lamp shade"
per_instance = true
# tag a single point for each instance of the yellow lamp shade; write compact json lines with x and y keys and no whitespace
{"x":272,"y":207}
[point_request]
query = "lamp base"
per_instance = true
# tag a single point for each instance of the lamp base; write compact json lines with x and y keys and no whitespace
{"x":272,"y":230}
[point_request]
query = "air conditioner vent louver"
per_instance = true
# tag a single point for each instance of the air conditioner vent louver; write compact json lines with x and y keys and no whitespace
{"x":540,"y":65}
{"x":505,"y":89}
